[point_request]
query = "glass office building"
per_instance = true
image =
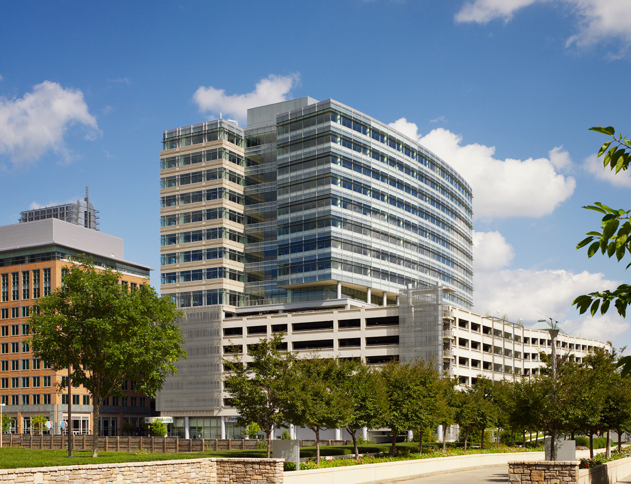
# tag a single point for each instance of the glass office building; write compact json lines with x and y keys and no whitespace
{"x":312,"y":201}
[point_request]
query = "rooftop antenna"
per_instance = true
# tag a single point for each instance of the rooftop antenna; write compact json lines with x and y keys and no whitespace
{"x":86,"y":218}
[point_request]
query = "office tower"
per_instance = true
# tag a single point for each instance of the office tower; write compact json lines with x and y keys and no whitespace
{"x":80,"y":213}
{"x":32,"y":258}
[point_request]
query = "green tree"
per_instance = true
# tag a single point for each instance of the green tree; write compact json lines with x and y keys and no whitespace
{"x":105,"y":334}
{"x":252,"y":430}
{"x":260,"y":390}
{"x":318,"y":401}
{"x":158,"y":428}
{"x":39,"y":422}
{"x":365,"y":389}
{"x":412,"y":398}
{"x":446,"y":409}
{"x":7,"y":422}
{"x":614,"y":236}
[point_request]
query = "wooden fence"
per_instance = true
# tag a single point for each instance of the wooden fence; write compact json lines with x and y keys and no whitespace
{"x":140,"y":444}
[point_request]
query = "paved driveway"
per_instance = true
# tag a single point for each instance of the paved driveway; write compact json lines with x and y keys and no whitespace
{"x":475,"y":476}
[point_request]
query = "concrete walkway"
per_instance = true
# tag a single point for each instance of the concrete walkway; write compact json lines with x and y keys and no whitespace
{"x":485,"y":475}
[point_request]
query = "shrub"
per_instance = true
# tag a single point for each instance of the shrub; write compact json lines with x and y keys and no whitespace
{"x":599,"y":442}
{"x":285,"y":436}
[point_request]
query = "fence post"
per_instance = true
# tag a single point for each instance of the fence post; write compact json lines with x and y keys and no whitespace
{"x":118,"y":444}
{"x":177,"y":445}
{"x":190,"y":445}
{"x":164,"y":444}
{"x":216,"y":444}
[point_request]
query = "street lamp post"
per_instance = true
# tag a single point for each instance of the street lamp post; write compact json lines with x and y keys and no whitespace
{"x":1,"y":429}
{"x":554,"y":332}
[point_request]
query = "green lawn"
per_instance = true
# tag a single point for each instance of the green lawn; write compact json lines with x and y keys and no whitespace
{"x":12,"y":458}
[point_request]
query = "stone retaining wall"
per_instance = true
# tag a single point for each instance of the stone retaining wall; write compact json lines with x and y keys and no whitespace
{"x":557,"y":472}
{"x":187,"y":471}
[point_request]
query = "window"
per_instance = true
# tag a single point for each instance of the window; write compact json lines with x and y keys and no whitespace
{"x":25,"y":329}
{"x":36,"y":400}
{"x":124,"y":385}
{"x":25,"y":382}
{"x":5,"y":287}
{"x":36,"y":382}
{"x":25,"y":399}
{"x":5,"y":365}
{"x":37,"y":363}
{"x":15,"y":329}
{"x":15,"y":365}
{"x":25,"y":347}
{"x":26,"y":285}
{"x":143,"y":401}
{"x":124,"y":401}
{"x":36,"y":292}
{"x":15,"y":288}
{"x":4,"y":348}
{"x":5,"y":383}
{"x":15,"y":399}
{"x":4,"y":314}
{"x":46,"y":399}
{"x":15,"y":382}
{"x":46,"y":381}
{"x":15,"y":312}
{"x":46,"y":365}
{"x":25,"y":364}
{"x":5,"y":330}
{"x":15,"y":348}
{"x":64,"y":399}
{"x":25,"y":314}
{"x":134,"y":401}
{"x":46,"y":282}
{"x":86,"y":399}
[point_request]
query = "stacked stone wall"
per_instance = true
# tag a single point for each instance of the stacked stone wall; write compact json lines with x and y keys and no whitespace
{"x":189,"y":471}
{"x":558,"y":472}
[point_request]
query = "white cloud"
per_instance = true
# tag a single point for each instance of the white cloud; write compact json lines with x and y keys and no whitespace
{"x":490,"y":251}
{"x":604,"y":328}
{"x":483,"y":11}
{"x":596,"y":20}
{"x":272,"y":89}
{"x":36,"y":205}
{"x":439,"y":119}
{"x":32,"y":125}
{"x":594,"y":167}
{"x":534,"y":294}
{"x":501,"y":188}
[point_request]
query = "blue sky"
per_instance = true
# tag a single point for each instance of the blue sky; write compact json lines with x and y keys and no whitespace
{"x":505,"y":90}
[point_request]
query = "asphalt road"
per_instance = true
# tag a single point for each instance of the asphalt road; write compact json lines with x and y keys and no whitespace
{"x":475,"y":476}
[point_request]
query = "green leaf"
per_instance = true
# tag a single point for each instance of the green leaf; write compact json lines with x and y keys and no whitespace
{"x":610,"y":228}
{"x":595,"y":208}
{"x":621,"y":240}
{"x":609,"y":130}
{"x":592,"y":249}
{"x":584,"y":242}
{"x":620,"y":252}
{"x":611,"y":249}
{"x":595,"y":234}
{"x":605,"y":306}
{"x":594,"y":307}
{"x":603,"y":148}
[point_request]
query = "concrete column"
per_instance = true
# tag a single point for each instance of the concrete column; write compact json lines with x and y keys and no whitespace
{"x":292,"y":431}
{"x":385,"y":299}
{"x":222,"y":421}
{"x":439,"y":433}
{"x":338,"y":434}
{"x":397,"y":300}
{"x":187,"y":429}
{"x":339,"y":289}
{"x":410,"y":435}
{"x":368,"y":295}
{"x":364,"y":431}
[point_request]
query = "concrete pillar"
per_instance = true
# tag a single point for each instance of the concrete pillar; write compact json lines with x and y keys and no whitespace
{"x":439,"y":433}
{"x":339,"y":289}
{"x":410,"y":435}
{"x":364,"y":431}
{"x":368,"y":295}
{"x":222,"y":421}
{"x":385,"y":299}
{"x":338,"y":434}
{"x":187,"y":429}
{"x":292,"y":431}
{"x":397,"y":300}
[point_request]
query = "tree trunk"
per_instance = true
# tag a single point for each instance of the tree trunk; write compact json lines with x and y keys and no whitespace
{"x":466,"y":436}
{"x":523,"y":439}
{"x":394,"y":443}
{"x":482,"y":439}
{"x":553,"y":438}
{"x":95,"y":434}
{"x":270,"y":429}
{"x":420,"y":442}
{"x":572,"y":435}
{"x":444,"y":438}
{"x":354,"y":437}
{"x":317,"y":436}
{"x":69,"y":411}
{"x":536,"y":437}
{"x":608,"y":452}
{"x":619,"y":440}
{"x":591,"y":445}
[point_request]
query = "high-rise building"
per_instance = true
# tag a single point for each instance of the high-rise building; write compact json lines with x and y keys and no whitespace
{"x":80,"y":213}
{"x":32,"y":258}
{"x":333,"y":228}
